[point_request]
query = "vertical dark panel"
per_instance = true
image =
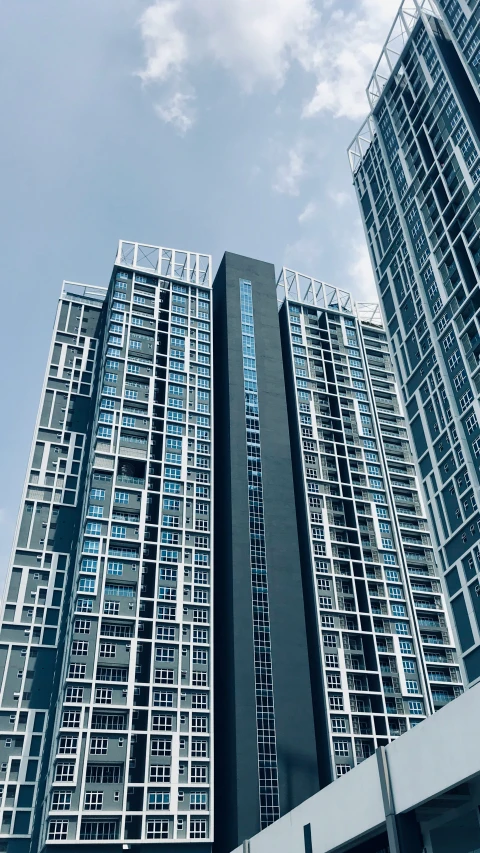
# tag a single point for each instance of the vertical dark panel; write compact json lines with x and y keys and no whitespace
{"x":462,"y":622}
{"x":237,"y":814}
{"x":237,"y":792}
{"x":308,"y":575}
{"x":296,"y":751}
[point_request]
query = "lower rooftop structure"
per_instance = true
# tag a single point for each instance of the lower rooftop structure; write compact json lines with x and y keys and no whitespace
{"x":420,"y":794}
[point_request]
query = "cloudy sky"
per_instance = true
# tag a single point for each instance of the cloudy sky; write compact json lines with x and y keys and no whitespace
{"x":199,"y":124}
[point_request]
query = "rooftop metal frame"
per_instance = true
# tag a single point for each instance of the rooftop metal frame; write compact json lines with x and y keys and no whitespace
{"x":369,"y":312}
{"x":177,"y":264}
{"x":400,"y":32}
{"x":89,"y":292}
{"x":406,"y":18}
{"x":303,"y":288}
{"x":361,"y":143}
{"x":295,"y":286}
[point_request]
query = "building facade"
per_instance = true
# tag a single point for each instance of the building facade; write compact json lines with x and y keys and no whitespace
{"x":416,"y":170}
{"x":266,"y":757}
{"x":331,"y":632}
{"x":106,"y":632}
{"x":382,"y":650}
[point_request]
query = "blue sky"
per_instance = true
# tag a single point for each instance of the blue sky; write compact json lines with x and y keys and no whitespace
{"x":199,"y":124}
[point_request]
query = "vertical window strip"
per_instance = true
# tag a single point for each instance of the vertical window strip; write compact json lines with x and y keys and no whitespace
{"x":266,"y":736}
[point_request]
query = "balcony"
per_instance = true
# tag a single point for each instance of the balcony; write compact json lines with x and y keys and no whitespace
{"x":426,"y":605}
{"x":441,"y":698}
{"x":434,"y":640}
{"x":134,"y":481}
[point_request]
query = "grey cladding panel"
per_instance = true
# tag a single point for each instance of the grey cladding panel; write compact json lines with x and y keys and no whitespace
{"x":457,"y":547}
{"x":38,"y":454}
{"x":475,"y":597}
{"x":58,"y":415}
{"x":25,"y":523}
{"x":66,"y":525}
{"x":41,"y":685}
{"x":39,"y":532}
{"x":412,"y":408}
{"x":73,"y":321}
{"x":462,"y":622}
{"x":472,"y":664}
{"x":426,"y":465}
{"x":90,"y":324}
{"x":63,"y":316}
{"x":453,"y":581}
{"x":14,"y":584}
{"x":46,"y":409}
{"x":418,"y":436}
{"x":57,"y":351}
{"x":80,"y":414}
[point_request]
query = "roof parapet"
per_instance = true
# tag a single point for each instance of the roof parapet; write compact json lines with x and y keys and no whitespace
{"x":84,"y":292}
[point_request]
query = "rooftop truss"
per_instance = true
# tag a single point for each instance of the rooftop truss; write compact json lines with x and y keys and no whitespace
{"x":171,"y":263}
{"x":369,"y":312}
{"x":361,"y":143}
{"x":302,"y":288}
{"x":83,"y":291}
{"x":402,"y":28}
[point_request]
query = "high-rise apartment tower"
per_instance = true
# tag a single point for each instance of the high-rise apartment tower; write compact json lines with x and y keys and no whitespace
{"x":416,"y":168}
{"x":105,"y":705}
{"x":331,"y":636}
{"x":381,"y":647}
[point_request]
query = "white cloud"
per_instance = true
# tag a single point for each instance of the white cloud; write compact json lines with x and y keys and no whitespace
{"x":289,"y":174}
{"x":308,"y":212}
{"x":165,"y":44}
{"x":257,"y":42}
{"x":177,"y":111}
{"x":349,"y":45}
{"x":360,"y":271}
{"x":339,"y":197}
